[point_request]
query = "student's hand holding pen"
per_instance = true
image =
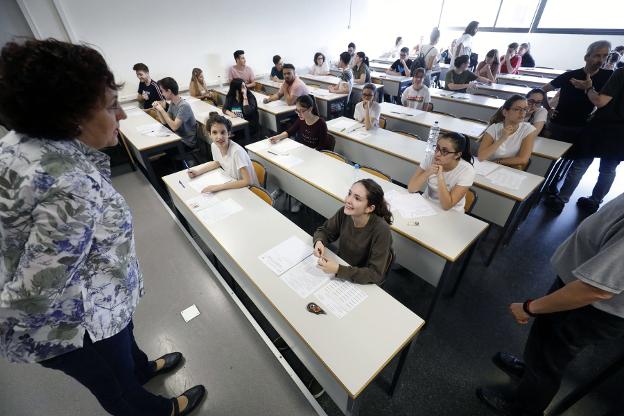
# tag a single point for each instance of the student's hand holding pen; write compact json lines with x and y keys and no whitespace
{"x":328,"y":266}
{"x":319,"y":249}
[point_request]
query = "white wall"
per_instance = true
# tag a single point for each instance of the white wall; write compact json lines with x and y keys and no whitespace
{"x":12,"y":22}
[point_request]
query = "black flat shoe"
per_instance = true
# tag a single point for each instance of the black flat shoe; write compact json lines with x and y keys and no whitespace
{"x":510,"y":364}
{"x":194,"y":395}
{"x":495,"y":402}
{"x":172,"y":361}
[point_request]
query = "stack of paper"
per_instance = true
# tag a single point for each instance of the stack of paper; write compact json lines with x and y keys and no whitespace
{"x":340,"y":297}
{"x":409,"y":205}
{"x":216,"y":177}
{"x":154,"y":130}
{"x":306,"y":277}
{"x":506,"y":178}
{"x":484,"y":168}
{"x":286,"y":255}
{"x":219,"y":211}
{"x":344,"y":124}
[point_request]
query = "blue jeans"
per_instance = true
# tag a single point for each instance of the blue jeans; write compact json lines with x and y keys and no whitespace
{"x":114,"y":370}
{"x":578,"y":169}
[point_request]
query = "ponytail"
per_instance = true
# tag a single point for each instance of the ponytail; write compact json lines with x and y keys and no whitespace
{"x":364,"y":58}
{"x":499,"y":116}
{"x":460,"y":143}
{"x":375,"y":196}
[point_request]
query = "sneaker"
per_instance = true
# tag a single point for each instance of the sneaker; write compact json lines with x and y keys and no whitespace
{"x":510,"y":364}
{"x":554,"y":204}
{"x":295,"y":207}
{"x":276,"y":194}
{"x":587,"y":204}
{"x":495,"y":401}
{"x":315,"y":388}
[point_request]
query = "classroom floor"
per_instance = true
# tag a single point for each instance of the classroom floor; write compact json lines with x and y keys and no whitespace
{"x":448,"y":361}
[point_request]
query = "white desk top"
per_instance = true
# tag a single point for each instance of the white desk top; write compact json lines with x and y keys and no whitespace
{"x":469,"y":99}
{"x":141,"y":141}
{"x":413,"y":151}
{"x":318,"y":93}
{"x":383,"y":76}
{"x":324,"y":79}
{"x":527,"y":79}
{"x":275,"y":107}
{"x":363,"y":334}
{"x":510,"y":89}
{"x":201,"y":110}
{"x":335,"y":178}
{"x":547,"y":72}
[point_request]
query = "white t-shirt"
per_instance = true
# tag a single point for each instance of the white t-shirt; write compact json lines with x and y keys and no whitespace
{"x":320,"y":70}
{"x":512,"y":144}
{"x":235,"y":158}
{"x":429,"y":51}
{"x":462,"y":175}
{"x":416,"y":98}
{"x":539,"y":116}
{"x":466,"y":40}
{"x":374,"y":110}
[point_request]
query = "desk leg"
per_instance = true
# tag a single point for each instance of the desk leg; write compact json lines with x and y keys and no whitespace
{"x":448,"y":267}
{"x":460,"y":275}
{"x":353,"y":407}
{"x":499,"y":240}
{"x":399,"y":369}
{"x":582,"y":390}
{"x":122,"y":139}
{"x":149,"y":170}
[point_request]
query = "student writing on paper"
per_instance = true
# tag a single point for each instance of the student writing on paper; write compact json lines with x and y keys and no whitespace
{"x":417,"y":95}
{"x":292,"y":87}
{"x":368,"y":110}
{"x":363,"y":227}
{"x":450,"y":174}
{"x":240,"y":102}
{"x":320,"y":67}
{"x":509,"y":139}
{"x":308,"y":129}
{"x":227,"y":154}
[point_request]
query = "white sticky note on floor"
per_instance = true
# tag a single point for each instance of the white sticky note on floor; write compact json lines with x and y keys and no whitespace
{"x":190,"y":313}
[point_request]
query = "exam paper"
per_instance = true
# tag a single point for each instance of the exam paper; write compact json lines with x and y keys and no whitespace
{"x":285,"y":146}
{"x":340,"y":297}
{"x":345,"y":124}
{"x":321,"y":92}
{"x":287,"y":161}
{"x":506,"y":178}
{"x":153,"y":130}
{"x":286,"y":255}
{"x":409,"y":205}
{"x":201,"y":201}
{"x":306,"y":277}
{"x":190,"y":313}
{"x":277,"y":103}
{"x":216,"y":177}
{"x":361,"y":134}
{"x":484,"y":168}
{"x":219,"y":211}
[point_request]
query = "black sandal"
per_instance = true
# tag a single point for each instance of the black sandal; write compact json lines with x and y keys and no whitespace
{"x":194,"y":395}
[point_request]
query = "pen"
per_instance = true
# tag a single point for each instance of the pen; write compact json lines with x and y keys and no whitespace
{"x":186,"y":164}
{"x":181,"y":184}
{"x":273,"y":153}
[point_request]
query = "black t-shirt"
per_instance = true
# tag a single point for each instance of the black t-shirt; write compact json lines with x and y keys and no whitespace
{"x":153,"y":91}
{"x":397,"y":66}
{"x":527,"y":61}
{"x":614,"y":111}
{"x":574,"y":107}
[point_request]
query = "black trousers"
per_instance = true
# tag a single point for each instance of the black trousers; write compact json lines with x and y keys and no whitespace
{"x":554,"y":340}
{"x":114,"y":370}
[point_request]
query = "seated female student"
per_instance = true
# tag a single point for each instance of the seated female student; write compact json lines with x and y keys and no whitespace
{"x":509,"y":139}
{"x":227,"y":154}
{"x":363,"y":227}
{"x":449,"y":175}
{"x":197,"y":86}
{"x":308,"y":129}
{"x":368,"y":110}
{"x":361,"y":71}
{"x":459,"y":78}
{"x":320,"y":67}
{"x":538,"y":109}
{"x":240,"y":102}
{"x":511,"y":61}
{"x":489,"y":67}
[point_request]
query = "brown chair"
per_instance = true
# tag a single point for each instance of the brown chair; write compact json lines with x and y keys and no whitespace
{"x":262,"y":193}
{"x":408,"y":134}
{"x":429,"y":107}
{"x":259,"y":88}
{"x":261,"y":172}
{"x":382,"y":123}
{"x":376,"y":172}
{"x":332,"y":142}
{"x":471,"y":200}
{"x":335,"y":155}
{"x":476,"y":120}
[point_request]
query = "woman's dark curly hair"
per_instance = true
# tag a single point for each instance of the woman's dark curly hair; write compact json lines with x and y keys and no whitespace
{"x":48,"y":87}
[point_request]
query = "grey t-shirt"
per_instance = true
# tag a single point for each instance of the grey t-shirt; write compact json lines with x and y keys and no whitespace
{"x":594,"y":254}
{"x":188,"y":129}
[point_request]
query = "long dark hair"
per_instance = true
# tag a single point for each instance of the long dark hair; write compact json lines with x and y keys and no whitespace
{"x":375,"y":196}
{"x":306,"y":101}
{"x":460,"y":143}
{"x":498,"y":116}
{"x":363,"y":56}
{"x":235,"y":88}
{"x":544,"y":100}
{"x":472,"y":27}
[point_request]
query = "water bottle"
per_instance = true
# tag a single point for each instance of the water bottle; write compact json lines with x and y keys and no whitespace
{"x":356,"y":173}
{"x":432,"y":141}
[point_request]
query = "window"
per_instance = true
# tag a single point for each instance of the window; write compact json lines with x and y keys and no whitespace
{"x":517,"y":13}
{"x":458,"y":13}
{"x":599,"y":14}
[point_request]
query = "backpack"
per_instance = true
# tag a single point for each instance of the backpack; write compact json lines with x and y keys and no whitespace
{"x":420,"y":62}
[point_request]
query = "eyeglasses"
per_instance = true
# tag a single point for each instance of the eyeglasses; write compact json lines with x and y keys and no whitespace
{"x":442,"y":151}
{"x":535,"y":103}
{"x":519,"y":109}
{"x":367,"y":95}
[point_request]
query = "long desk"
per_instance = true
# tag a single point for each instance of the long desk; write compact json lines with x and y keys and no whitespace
{"x":323,"y":98}
{"x":319,"y":341}
{"x":504,"y":91}
{"x":201,"y":111}
{"x":271,"y":114}
{"x":430,"y":250}
{"x":393,"y":84}
{"x":328,"y":80}
{"x":541,"y":72}
{"x":545,"y":151}
{"x":464,"y":105}
{"x":522,"y":80}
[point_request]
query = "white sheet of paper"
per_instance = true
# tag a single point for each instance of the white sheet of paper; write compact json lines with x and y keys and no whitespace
{"x":261,"y":145}
{"x":340,"y":297}
{"x":146,"y":128}
{"x":506,"y":178}
{"x":361,"y":134}
{"x":216,"y":177}
{"x":285,"y":255}
{"x":277,"y":103}
{"x":285,"y":146}
{"x":288,"y":161}
{"x":306,"y":277}
{"x":219,"y":211}
{"x":201,"y":201}
{"x":484,"y":168}
{"x":344,"y":124}
{"x":410,"y":205}
{"x":321,"y":92}
{"x":190,"y":99}
{"x":190,"y":313}
{"x":134,"y":112}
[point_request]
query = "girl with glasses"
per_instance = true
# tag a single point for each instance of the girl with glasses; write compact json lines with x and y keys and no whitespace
{"x":509,"y":139}
{"x":368,"y":110}
{"x":308,"y":129}
{"x":537,"y":113}
{"x":449,"y":175}
{"x":320,"y":67}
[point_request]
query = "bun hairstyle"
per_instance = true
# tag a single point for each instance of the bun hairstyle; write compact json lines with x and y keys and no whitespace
{"x":216,"y":118}
{"x":460,"y":143}
{"x":498,"y":116}
{"x":375,"y":196}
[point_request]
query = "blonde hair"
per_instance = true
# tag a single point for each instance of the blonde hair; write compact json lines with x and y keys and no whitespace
{"x":195,"y":86}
